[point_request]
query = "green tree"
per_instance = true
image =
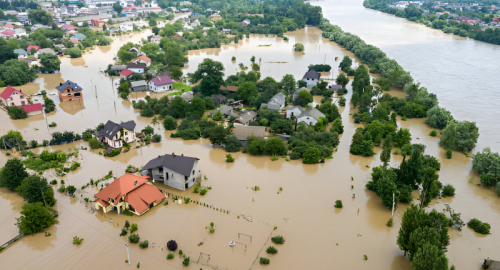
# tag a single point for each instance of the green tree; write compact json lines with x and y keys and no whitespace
{"x":256,"y":145}
{"x":282,"y":126}
{"x":232,"y":144}
{"x":178,"y":107}
{"x":209,"y":103}
{"x":460,"y":136}
{"x":217,"y":134}
{"x":288,"y":84}
{"x":34,"y":218}
{"x":6,"y":53}
{"x":211,"y":75}
{"x":487,"y":165}
{"x":147,"y":111}
{"x":14,"y":72}
{"x":342,"y":79}
{"x":36,"y":189}
{"x":50,"y":63}
{"x":174,"y":55}
{"x":429,"y":257}
{"x":197,"y":107}
{"x":330,"y":110}
{"x":40,"y":16}
{"x":346,"y":63}
{"x":337,"y":126}
{"x":304,"y":98}
{"x":275,"y":146}
{"x":311,"y":156}
{"x":298,"y":47}
{"x":385,"y":155}
{"x":74,"y":52}
{"x":217,"y":116}
{"x":118,"y":8}
{"x":11,"y":140}
{"x":169,"y":123}
{"x":246,"y":91}
{"x":12,"y":174}
{"x":16,"y":112}
{"x":175,"y":72}
{"x":402,"y":137}
{"x":438,"y":117}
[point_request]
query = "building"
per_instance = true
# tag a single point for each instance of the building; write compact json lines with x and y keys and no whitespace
{"x":13,"y":97}
{"x":78,"y":37}
{"x":227,"y":111}
{"x":113,"y":134}
{"x":45,"y":50}
{"x":21,"y":53}
{"x":124,"y":27}
{"x":218,"y":99}
{"x":311,"y":78}
{"x":136,"y":67}
{"x":125,"y":73}
{"x":188,"y":96}
{"x":97,"y":22}
{"x":161,"y":84}
{"x":243,"y":132}
{"x":309,"y":117}
{"x":139,"y":85}
{"x":215,"y":17}
{"x":245,"y":22}
{"x":245,"y":118}
{"x":31,"y":61}
{"x":276,"y":103}
{"x":36,"y":48}
{"x":128,"y":192}
{"x":156,"y":39}
{"x":69,"y":91}
{"x":68,"y":27}
{"x":194,"y":15}
{"x":142,"y":59}
{"x":175,"y":171}
{"x":293,"y":112}
{"x":233,"y":89}
{"x":8,"y":34}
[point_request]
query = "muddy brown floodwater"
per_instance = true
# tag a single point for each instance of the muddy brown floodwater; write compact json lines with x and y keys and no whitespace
{"x":318,"y":236}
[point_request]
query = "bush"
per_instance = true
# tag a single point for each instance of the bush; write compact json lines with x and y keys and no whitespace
{"x":17,"y":112}
{"x":478,"y":226}
{"x":229,"y":158}
{"x":433,"y":133}
{"x":449,"y":153}
{"x":264,"y":261}
{"x":448,"y":191}
{"x":279,"y":240}
{"x":77,"y":241}
{"x":71,"y":190}
{"x":124,"y":232}
{"x":53,"y":124}
{"x":271,"y":250}
{"x":170,"y":256}
{"x":156,"y":138}
{"x":187,"y":200}
{"x":134,"y":238}
{"x":180,"y":252}
{"x":95,"y":144}
{"x":172,"y":245}
{"x":338,"y":204}
{"x":53,"y":182}
{"x":144,"y":244}
{"x":186,"y":261}
{"x":134,"y":227}
{"x":232,"y":144}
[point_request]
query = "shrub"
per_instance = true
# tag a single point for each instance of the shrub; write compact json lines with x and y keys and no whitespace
{"x":264,"y":261}
{"x":449,"y":153}
{"x":124,"y":232}
{"x":61,"y":189}
{"x":71,"y":190}
{"x":338,"y":204}
{"x":127,"y":224}
{"x":53,"y":182}
{"x":389,"y":223}
{"x":127,"y":213}
{"x":134,"y":238}
{"x":229,"y":158}
{"x":156,"y":138}
{"x":77,"y":241}
{"x":271,"y":250}
{"x":279,"y":240}
{"x":144,"y":244}
{"x":448,"y":191}
{"x":187,"y":200}
{"x":203,"y":191}
{"x":53,"y":124}
{"x":172,"y":245}
{"x":433,"y":133}
{"x":186,"y":261}
{"x":180,"y":252}
{"x":134,"y":227}
{"x":478,"y":226}
{"x":170,"y":256}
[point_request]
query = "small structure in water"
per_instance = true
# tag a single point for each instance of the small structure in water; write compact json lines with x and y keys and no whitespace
{"x":177,"y":171}
{"x":491,"y":264}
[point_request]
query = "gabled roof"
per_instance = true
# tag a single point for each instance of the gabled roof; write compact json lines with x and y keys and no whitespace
{"x":278,"y":99}
{"x":33,"y":47}
{"x":143,"y":58}
{"x":136,"y":65}
{"x":126,"y":72}
{"x":243,"y":132}
{"x":229,"y":88}
{"x":295,"y":107}
{"x":8,"y":32}
{"x":143,"y":196}
{"x":218,"y":98}
{"x":312,"y":74}
{"x":47,"y":50}
{"x":312,"y":112}
{"x":78,"y":36}
{"x":20,"y":51}
{"x":69,"y":84}
{"x":111,"y":128}
{"x":138,"y":83}
{"x":32,"y":107}
{"x":246,"y":117}
{"x":8,"y":92}
{"x":161,"y":80}
{"x":179,"y":164}
{"x":335,"y":86}
{"x":69,"y":27}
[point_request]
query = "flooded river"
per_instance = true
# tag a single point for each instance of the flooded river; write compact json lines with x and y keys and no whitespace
{"x":317,"y":235}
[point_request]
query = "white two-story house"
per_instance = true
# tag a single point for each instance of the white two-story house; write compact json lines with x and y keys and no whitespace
{"x":113,"y":134}
{"x":161,"y":84}
{"x":177,"y":171}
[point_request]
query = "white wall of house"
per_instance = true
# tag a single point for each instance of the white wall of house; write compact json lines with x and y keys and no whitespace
{"x":174,"y":179}
{"x":128,"y":136}
{"x":308,"y":120}
{"x":296,"y":112}
{"x":311,"y":82}
{"x":161,"y":88}
{"x":126,"y":27}
{"x":16,"y":99}
{"x":142,"y":61}
{"x":137,"y":70}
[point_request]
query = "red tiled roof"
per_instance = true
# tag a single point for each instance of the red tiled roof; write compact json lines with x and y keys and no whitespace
{"x":143,"y":58}
{"x":161,"y":80}
{"x":97,"y":20}
{"x":229,"y":88}
{"x":8,"y":32}
{"x":74,"y":41}
{"x":126,"y":72}
{"x":121,"y":186}
{"x":8,"y":92}
{"x":9,"y":25}
{"x":69,"y":27}
{"x":143,"y":196}
{"x":32,"y":46}
{"x":32,"y":107}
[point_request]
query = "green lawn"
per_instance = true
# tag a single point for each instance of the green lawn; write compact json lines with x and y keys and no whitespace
{"x":179,"y":86}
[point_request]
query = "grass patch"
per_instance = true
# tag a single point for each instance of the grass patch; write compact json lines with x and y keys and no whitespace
{"x":179,"y":86}
{"x":127,"y":213}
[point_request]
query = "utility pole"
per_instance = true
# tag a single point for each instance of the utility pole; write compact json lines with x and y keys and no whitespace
{"x":128,"y":254}
{"x":392,"y":205}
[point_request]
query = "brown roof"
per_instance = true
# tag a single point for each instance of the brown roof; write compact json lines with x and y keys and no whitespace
{"x":243,"y":132}
{"x":121,"y":186}
{"x":229,"y":88}
{"x":143,"y":196}
{"x":143,"y":58}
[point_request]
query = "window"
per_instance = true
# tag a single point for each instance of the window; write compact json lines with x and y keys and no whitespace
{"x":193,"y":172}
{"x":126,"y":133}
{"x":67,"y":91}
{"x":23,"y":103}
{"x":160,"y":170}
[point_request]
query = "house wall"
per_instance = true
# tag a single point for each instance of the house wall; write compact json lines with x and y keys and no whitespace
{"x":176,"y":180}
{"x":35,"y":113}
{"x":115,"y":142}
{"x":128,"y":135}
{"x":15,"y":99}
{"x":308,"y":120}
{"x":137,"y":70}
{"x":310,"y":82}
{"x":67,"y":96}
{"x":161,"y":88}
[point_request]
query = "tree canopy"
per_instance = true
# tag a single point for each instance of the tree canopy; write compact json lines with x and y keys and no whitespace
{"x":35,"y":218}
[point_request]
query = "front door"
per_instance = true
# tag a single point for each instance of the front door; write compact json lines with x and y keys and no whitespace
{"x":186,"y":185}
{"x":120,"y":210}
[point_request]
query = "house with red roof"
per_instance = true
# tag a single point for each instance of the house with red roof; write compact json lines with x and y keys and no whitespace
{"x":161,"y":84}
{"x":10,"y":26}
{"x":68,"y":27}
{"x":8,"y":33}
{"x":142,"y":59}
{"x":129,"y":192}
{"x":125,"y":73}
{"x":496,"y":19}
{"x":13,"y":97}
{"x":97,"y":22}
{"x":32,"y":47}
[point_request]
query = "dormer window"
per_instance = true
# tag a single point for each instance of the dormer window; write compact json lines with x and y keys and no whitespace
{"x":135,"y":183}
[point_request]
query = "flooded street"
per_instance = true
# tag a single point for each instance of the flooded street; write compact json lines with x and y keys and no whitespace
{"x":318,"y":236}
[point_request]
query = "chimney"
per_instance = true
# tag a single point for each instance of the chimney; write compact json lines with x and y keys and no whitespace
{"x":182,"y":155}
{"x":173,"y":154}
{"x":60,"y":84}
{"x":158,"y":155}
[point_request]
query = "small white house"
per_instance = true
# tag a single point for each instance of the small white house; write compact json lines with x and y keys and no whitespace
{"x":126,"y":26}
{"x":293,"y":112}
{"x":311,"y":78}
{"x":310,"y":117}
{"x":160,"y":84}
{"x":176,"y":171}
{"x":136,"y":67}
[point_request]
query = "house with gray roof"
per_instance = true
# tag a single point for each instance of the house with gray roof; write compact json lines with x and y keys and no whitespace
{"x":139,"y":85}
{"x":176,"y":171}
{"x":227,"y":111}
{"x":293,"y":112}
{"x":276,"y":103}
{"x":243,"y":132}
{"x":309,"y":117}
{"x":311,"y":78}
{"x":296,"y":93}
{"x":45,"y":50}
{"x":78,"y":36}
{"x":245,"y":118}
{"x":113,"y":134}
{"x":21,"y":53}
